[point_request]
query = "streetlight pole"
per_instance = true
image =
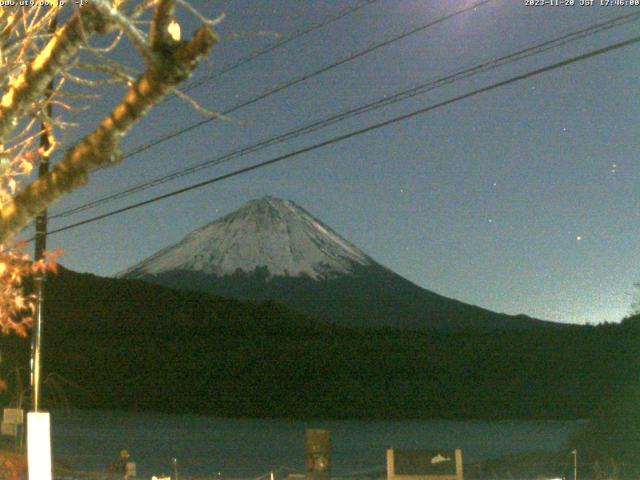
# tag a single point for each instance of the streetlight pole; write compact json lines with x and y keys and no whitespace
{"x":575,"y":464}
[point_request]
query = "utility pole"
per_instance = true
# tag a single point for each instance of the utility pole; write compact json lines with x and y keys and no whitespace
{"x":40,"y":246}
{"x":38,"y":281}
{"x":575,"y":464}
{"x":38,"y":422}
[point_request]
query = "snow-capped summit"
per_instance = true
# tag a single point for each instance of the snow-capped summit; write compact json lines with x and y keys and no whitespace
{"x":269,"y":233}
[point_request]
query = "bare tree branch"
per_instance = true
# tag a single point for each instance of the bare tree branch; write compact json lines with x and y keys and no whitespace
{"x":137,"y":37}
{"x":101,"y":148}
{"x":33,"y":80}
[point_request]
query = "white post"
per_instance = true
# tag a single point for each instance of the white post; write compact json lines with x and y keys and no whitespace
{"x":39,"y":445}
{"x":175,"y":468}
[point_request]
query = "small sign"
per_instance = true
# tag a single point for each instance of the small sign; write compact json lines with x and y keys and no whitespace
{"x":419,"y":462}
{"x":424,"y":464}
{"x":13,"y":415}
{"x":10,"y":429}
{"x":318,"y":448}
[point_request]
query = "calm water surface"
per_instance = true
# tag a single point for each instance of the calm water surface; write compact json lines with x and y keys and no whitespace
{"x":235,"y":448}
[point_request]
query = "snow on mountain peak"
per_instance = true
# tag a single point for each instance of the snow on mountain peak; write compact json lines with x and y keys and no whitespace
{"x":269,"y":233}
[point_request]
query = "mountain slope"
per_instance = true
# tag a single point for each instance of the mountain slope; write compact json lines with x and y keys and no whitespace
{"x":272,"y":249}
{"x":370,"y":297}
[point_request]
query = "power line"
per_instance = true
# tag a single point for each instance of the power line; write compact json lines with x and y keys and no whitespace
{"x":359,"y":132}
{"x":252,"y":56}
{"x":305,"y":77}
{"x":384,"y":101}
{"x":327,"y":21}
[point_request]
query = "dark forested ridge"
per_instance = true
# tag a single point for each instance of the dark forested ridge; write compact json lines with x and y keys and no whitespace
{"x":131,"y":345}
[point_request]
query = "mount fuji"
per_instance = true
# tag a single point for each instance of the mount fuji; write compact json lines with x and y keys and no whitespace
{"x":273,"y":249}
{"x":271,"y":234}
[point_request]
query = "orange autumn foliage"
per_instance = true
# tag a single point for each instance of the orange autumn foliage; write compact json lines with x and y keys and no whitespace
{"x":17,"y":307}
{"x":13,"y":466}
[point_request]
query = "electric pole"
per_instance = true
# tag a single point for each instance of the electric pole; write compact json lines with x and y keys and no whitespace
{"x":41,"y":244}
{"x":575,"y":464}
{"x":38,"y":422}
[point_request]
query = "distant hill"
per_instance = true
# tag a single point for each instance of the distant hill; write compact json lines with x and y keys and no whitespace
{"x":273,"y":249}
{"x":131,"y":345}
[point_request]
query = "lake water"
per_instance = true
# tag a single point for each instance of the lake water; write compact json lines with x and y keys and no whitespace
{"x":210,"y":447}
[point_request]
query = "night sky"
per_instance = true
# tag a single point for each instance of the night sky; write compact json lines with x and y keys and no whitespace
{"x":521,"y":200}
